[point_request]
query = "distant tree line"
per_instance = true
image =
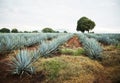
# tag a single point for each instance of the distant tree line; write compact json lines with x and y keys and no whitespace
{"x":14,"y":30}
{"x":49,"y":30}
{"x":6,"y":30}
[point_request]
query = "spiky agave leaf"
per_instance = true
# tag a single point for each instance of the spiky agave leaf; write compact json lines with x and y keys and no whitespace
{"x":105,"y":39}
{"x":91,"y":46}
{"x":47,"y":48}
{"x":7,"y":43}
{"x":82,"y":37}
{"x":43,"y":48}
{"x":13,"y":41}
{"x":22,"y":63}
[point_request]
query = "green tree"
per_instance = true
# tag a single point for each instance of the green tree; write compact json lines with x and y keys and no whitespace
{"x":26,"y":32}
{"x":85,"y":24}
{"x":56,"y":31}
{"x":65,"y":31}
{"x":20,"y":32}
{"x":48,"y":30}
{"x":4,"y":30}
{"x":14,"y":30}
{"x":35,"y":31}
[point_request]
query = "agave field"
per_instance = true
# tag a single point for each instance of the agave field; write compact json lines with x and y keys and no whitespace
{"x":59,"y":58}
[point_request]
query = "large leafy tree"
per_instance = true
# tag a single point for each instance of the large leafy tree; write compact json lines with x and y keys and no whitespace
{"x":48,"y":30}
{"x":4,"y":30}
{"x":14,"y":30}
{"x":85,"y":24}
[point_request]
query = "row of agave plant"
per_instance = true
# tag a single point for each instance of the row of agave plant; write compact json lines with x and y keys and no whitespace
{"x":9,"y":42}
{"x":91,"y":47}
{"x":107,"y":39}
{"x":22,"y":62}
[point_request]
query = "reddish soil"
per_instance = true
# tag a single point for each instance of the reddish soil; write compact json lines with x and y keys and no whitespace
{"x":5,"y":76}
{"x":4,"y":69}
{"x":73,"y":43}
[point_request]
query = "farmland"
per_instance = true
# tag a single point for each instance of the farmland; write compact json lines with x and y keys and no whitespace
{"x":59,"y":58}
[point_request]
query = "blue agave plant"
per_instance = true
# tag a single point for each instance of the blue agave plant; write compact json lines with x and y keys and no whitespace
{"x":47,"y":48}
{"x":22,"y":63}
{"x":91,"y":46}
{"x":105,"y":39}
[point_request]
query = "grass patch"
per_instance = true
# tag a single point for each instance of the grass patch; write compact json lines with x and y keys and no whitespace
{"x":78,"y":52}
{"x":66,"y":51}
{"x":118,"y":46}
{"x":111,"y":56}
{"x":52,"y":68}
{"x":74,"y":52}
{"x":81,"y":69}
{"x":66,"y":69}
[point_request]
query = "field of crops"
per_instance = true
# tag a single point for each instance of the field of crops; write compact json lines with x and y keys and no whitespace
{"x":59,"y":58}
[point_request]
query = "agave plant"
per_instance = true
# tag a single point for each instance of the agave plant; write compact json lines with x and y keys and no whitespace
{"x":92,"y":35}
{"x":82,"y":38}
{"x":91,"y":46}
{"x":7,"y":44}
{"x":22,"y":63}
{"x":47,"y":48}
{"x":13,"y":41}
{"x":105,"y":39}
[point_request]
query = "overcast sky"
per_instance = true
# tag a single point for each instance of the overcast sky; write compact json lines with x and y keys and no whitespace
{"x":60,"y":14}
